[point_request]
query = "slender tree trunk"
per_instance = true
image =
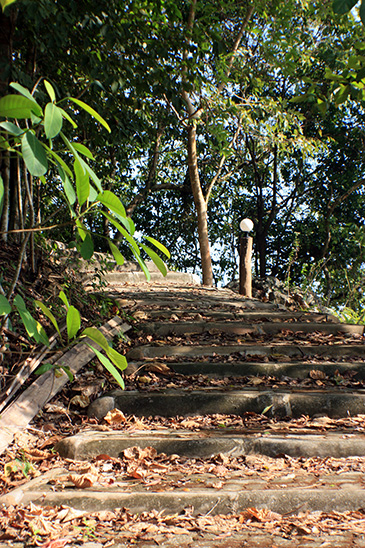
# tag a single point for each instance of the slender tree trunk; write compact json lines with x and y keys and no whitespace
{"x":195,"y":111}
{"x":7,"y":25}
{"x":201,"y":207}
{"x":261,"y":248}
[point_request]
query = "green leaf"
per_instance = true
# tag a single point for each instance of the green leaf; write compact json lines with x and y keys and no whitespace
{"x":108,"y":366}
{"x":91,"y":111}
{"x":19,"y":303}
{"x":118,"y":359}
{"x":50,"y":90}
{"x":71,"y":148}
{"x":92,"y":174}
{"x":116,"y":253}
{"x":67,"y":187}
{"x":32,"y":327}
{"x":343,"y":6}
{"x":73,"y":322}
{"x":342,"y":94}
{"x":5,"y":306}
{"x":44,"y":368}
{"x":4,"y":144}
{"x":96,"y":336}
{"x":332,"y":76}
{"x":12,"y":128}
{"x":82,"y":183}
{"x":68,"y":117}
{"x":130,"y":222}
{"x":84,"y":165}
{"x":41,"y":335}
{"x":87,"y":247}
{"x":83,"y":150}
{"x":142,"y":264}
{"x":26,"y":93}
{"x":322,"y":106}
{"x":29,"y":322}
{"x":131,"y":241}
{"x":64,"y":299}
{"x":159,"y":246}
{"x":59,"y":160}
{"x":111,"y":201}
{"x":5,"y":3}
{"x":67,"y":370}
{"x":52,"y":120}
{"x":34,"y":155}
{"x":46,"y":311}
{"x":93,"y":194}
{"x":155,"y":258}
{"x":17,"y":106}
{"x":81,"y":229}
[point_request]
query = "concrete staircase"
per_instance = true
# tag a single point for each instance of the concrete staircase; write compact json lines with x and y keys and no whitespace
{"x":292,"y":370}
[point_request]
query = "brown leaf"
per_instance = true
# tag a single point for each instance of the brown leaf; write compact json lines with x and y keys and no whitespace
{"x":260,"y":515}
{"x":68,"y":514}
{"x":160,"y":368}
{"x":55,"y":408}
{"x":316,"y":374}
{"x":144,"y":380}
{"x":82,"y":481}
{"x":137,"y":453}
{"x":37,"y":454}
{"x":105,"y":515}
{"x":255,"y":381}
{"x":50,"y":441}
{"x":140,"y":315}
{"x":220,"y":471}
{"x":103,"y":456}
{"x":80,"y":400}
{"x":115,"y":416}
{"x":59,"y":543}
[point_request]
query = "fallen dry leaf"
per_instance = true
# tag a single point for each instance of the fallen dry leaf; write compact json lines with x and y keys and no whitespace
{"x":160,"y":368}
{"x":82,"y":481}
{"x":260,"y":515}
{"x":81,"y":400}
{"x":36,"y":454}
{"x":316,"y":374}
{"x":59,"y":543}
{"x":115,"y":416}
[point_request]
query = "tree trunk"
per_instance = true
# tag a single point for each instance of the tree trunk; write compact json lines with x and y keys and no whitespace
{"x":201,"y":207}
{"x":7,"y":25}
{"x":261,"y":248}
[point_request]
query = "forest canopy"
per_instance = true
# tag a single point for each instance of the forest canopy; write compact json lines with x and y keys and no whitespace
{"x":217,"y":111}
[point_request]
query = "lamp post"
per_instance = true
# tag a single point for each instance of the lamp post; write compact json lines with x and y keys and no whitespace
{"x":245,"y":286}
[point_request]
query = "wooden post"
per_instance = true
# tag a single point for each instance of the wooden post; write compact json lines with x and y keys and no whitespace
{"x":245,"y":287}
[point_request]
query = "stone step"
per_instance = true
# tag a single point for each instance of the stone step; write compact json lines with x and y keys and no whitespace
{"x":271,"y":350}
{"x":246,"y":315}
{"x":204,"y":444}
{"x":238,"y":328}
{"x":198,"y":304}
{"x":279,"y":403}
{"x":294,"y":370}
{"x":117,"y":278}
{"x":208,"y":494}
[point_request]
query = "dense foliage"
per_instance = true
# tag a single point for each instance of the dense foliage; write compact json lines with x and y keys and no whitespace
{"x":218,"y":111}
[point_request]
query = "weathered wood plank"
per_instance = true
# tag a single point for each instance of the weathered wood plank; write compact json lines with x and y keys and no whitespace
{"x":20,"y":412}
